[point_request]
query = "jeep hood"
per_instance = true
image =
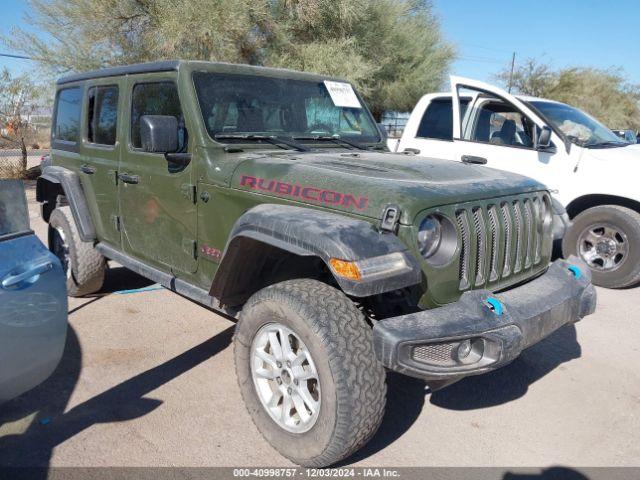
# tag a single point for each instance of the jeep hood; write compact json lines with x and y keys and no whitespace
{"x":364,"y":183}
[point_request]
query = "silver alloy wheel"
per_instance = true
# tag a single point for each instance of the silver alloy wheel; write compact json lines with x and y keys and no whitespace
{"x":285,"y":377}
{"x":603,"y":247}
{"x":60,"y":248}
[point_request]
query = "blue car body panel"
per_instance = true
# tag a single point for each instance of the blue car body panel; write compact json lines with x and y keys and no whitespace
{"x":33,"y":305}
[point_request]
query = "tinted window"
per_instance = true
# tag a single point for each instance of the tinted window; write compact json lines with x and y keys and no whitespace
{"x":102,"y":115}
{"x":67,"y":123}
{"x":14,"y":216}
{"x":437,"y":122}
{"x":159,"y":98}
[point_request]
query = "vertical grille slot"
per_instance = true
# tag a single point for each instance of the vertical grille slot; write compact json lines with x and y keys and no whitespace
{"x":537,"y":210}
{"x":463,"y":227}
{"x":506,"y":218}
{"x":519,"y":233}
{"x":481,"y":245}
{"x":494,"y":225}
{"x":528,"y":218}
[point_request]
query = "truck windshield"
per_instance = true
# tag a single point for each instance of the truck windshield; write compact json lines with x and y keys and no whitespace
{"x":237,"y":108}
{"x":577,"y":126}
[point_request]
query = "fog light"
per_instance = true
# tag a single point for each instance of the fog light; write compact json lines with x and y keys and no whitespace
{"x":464,"y":349}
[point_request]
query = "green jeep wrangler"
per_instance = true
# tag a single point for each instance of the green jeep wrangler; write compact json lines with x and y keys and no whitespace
{"x":269,"y":195}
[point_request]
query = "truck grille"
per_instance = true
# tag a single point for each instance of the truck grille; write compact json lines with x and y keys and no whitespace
{"x":499,"y":240}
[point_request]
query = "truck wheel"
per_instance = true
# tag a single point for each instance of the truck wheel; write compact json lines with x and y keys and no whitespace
{"x":82,"y":263}
{"x":307,"y":371}
{"x":607,"y":238}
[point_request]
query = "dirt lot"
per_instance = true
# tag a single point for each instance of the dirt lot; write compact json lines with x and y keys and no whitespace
{"x":148,"y":380}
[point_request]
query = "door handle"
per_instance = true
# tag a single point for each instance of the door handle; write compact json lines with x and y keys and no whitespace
{"x":126,"y":178}
{"x":13,"y":280}
{"x":88,"y":169}
{"x":474,"y":160}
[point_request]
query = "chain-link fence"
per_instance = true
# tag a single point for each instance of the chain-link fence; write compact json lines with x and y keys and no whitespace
{"x":12,"y":163}
{"x":395,"y":122}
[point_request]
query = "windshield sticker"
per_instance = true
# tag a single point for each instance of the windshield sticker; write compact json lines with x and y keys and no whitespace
{"x":342,"y":94}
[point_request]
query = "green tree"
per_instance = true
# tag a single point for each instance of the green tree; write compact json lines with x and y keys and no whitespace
{"x":604,"y":93}
{"x":20,"y":98}
{"x":392,"y":50}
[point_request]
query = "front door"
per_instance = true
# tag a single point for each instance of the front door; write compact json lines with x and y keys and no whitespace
{"x":157,"y":199}
{"x":501,"y":130}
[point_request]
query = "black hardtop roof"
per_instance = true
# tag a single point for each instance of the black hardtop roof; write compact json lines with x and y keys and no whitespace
{"x":170,"y":65}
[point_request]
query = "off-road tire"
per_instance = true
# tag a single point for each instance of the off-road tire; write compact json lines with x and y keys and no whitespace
{"x":624,"y":219}
{"x":353,"y":386}
{"x":87,"y":266}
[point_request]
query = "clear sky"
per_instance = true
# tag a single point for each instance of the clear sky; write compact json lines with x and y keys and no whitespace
{"x":11,"y":14}
{"x":596,"y":33}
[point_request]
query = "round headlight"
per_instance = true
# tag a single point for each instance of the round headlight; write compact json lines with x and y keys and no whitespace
{"x":429,"y":236}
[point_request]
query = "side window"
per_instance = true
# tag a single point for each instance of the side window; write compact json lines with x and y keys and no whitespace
{"x":14,"y":216}
{"x":158,"y":98}
{"x":102,"y":115}
{"x":500,"y":124}
{"x":67,"y":115}
{"x":437,"y":121}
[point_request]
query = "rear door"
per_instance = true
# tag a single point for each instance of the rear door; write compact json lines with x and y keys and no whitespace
{"x":498,"y":128}
{"x":157,"y":198}
{"x":33,"y":299}
{"x":100,"y":154}
{"x":431,"y":135}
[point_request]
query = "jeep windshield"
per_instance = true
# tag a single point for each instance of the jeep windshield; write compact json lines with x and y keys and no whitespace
{"x":240,"y":108}
{"x":577,"y":126}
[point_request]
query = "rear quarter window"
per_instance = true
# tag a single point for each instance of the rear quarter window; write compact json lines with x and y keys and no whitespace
{"x":437,"y":121}
{"x":14,"y":215}
{"x":66,"y":126}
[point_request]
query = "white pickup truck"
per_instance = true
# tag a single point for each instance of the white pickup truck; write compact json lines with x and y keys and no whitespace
{"x":590,"y":170}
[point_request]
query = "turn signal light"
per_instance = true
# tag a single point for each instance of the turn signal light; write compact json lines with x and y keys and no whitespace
{"x":345,"y":269}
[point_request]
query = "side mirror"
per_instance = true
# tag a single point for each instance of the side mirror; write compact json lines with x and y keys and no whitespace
{"x":383,"y":132}
{"x":159,"y":133}
{"x":544,"y":138}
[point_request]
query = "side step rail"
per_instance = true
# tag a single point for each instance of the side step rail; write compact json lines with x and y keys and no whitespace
{"x":167,"y":280}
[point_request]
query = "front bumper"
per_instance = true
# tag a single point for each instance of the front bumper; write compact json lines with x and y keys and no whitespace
{"x":484,"y":331}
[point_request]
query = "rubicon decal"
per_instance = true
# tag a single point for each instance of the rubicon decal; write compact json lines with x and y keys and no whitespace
{"x":309,"y":193}
{"x":211,"y":252}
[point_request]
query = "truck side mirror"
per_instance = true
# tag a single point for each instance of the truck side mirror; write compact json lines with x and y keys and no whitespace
{"x":159,"y":133}
{"x":544,"y":138}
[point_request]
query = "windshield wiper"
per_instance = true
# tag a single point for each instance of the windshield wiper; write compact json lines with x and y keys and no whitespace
{"x":335,"y":139}
{"x":272,"y":139}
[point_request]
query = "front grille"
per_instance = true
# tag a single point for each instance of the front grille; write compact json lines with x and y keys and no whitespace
{"x":499,"y":240}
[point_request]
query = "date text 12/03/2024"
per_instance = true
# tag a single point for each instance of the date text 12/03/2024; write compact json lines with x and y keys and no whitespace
{"x":367,"y":472}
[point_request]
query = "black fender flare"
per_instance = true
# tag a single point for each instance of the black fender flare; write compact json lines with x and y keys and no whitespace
{"x":310,"y":232}
{"x":69,"y":182}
